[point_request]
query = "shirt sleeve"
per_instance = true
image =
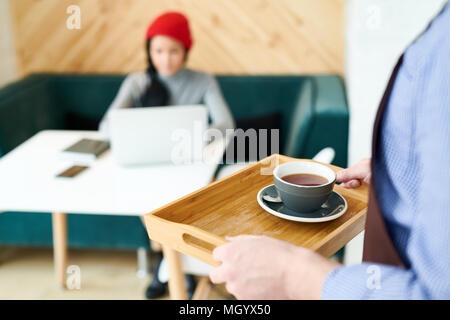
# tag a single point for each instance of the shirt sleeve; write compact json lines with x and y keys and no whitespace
{"x":221,"y":116}
{"x":428,"y":247}
{"x":123,"y":99}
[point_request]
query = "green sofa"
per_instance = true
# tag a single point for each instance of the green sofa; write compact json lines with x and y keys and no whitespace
{"x":311,"y":112}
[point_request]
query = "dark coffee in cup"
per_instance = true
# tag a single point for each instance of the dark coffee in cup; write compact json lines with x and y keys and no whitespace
{"x":305,"y":179}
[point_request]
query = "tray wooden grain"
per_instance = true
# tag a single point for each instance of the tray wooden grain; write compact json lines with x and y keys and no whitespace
{"x":197,"y":223}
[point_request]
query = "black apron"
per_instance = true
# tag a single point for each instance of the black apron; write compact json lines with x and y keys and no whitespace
{"x":378,"y":246}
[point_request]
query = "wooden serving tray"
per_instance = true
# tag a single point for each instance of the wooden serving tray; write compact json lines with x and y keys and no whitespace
{"x":196,"y":223}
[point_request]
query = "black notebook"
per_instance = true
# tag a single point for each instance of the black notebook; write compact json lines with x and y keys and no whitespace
{"x":85,"y":150}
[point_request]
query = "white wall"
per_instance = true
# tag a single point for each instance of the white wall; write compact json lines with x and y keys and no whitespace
{"x":8,"y":71}
{"x":377,"y":32}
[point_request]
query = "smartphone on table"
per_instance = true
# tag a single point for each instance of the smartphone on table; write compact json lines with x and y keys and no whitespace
{"x":71,"y":172}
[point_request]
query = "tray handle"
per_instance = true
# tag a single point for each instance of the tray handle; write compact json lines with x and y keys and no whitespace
{"x":184,"y":238}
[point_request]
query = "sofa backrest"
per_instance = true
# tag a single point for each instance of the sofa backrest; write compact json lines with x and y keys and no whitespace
{"x":248,"y":96}
{"x":86,"y":95}
{"x":69,"y":101}
{"x":26,"y":107}
{"x":255,"y":96}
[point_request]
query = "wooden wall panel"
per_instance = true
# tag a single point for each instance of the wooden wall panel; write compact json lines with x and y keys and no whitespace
{"x":230,"y":36}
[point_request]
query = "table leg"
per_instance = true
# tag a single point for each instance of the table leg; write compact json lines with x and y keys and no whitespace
{"x":59,"y":220}
{"x":202,"y":290}
{"x":177,"y":286}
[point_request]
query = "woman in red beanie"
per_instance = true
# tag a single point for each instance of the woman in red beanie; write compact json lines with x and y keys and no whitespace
{"x":168,"y":82}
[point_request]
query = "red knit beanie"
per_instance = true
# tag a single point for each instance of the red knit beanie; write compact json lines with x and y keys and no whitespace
{"x":171,"y":24}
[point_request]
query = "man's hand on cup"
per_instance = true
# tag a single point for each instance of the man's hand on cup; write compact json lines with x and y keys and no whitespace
{"x":352,"y":177}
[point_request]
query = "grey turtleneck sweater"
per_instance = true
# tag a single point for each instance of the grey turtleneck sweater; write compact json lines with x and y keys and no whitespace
{"x":186,"y":87}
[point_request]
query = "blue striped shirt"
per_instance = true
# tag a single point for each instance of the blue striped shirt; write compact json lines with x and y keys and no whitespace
{"x":413,"y":180}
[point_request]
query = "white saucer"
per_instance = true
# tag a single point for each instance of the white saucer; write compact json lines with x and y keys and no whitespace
{"x":332,"y":209}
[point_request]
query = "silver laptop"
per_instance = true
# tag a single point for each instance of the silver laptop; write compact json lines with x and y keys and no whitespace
{"x":170,"y":134}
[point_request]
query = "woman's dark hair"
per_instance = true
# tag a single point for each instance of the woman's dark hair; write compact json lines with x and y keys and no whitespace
{"x":157,"y":93}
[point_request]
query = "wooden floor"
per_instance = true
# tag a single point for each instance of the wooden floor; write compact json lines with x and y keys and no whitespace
{"x":27,"y":273}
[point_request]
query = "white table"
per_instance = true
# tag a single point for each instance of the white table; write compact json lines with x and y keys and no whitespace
{"x":28,"y":183}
